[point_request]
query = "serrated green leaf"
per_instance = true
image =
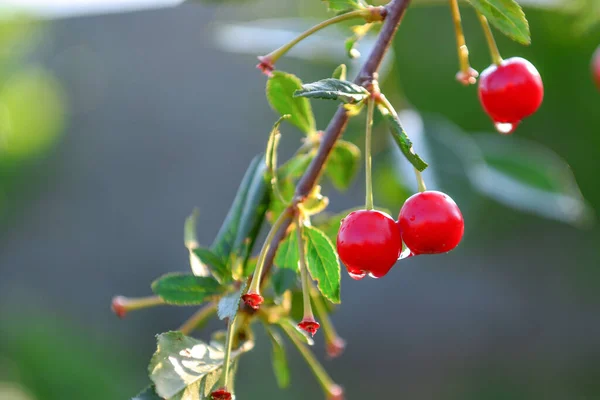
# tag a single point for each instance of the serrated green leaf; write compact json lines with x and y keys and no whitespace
{"x":284,"y":279}
{"x":333,"y":89}
{"x":344,"y":5}
{"x":280,"y":93}
{"x":228,"y":305}
{"x":296,"y":166}
{"x":343,"y":164}
{"x":186,"y":289}
{"x":147,"y":394}
{"x":322,"y":262}
{"x":340,"y":72}
{"x":402,"y":140}
{"x":183,"y":368}
{"x":507,"y":16}
{"x":287,"y":253}
{"x":214,"y":262}
{"x":279,"y":359}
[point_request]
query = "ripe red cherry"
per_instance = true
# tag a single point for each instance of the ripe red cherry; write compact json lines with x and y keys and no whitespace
{"x":368,"y":242}
{"x":596,"y":66}
{"x":510,"y":92}
{"x":431,"y":223}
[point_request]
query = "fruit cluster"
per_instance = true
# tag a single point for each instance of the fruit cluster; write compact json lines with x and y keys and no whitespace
{"x":370,"y":241}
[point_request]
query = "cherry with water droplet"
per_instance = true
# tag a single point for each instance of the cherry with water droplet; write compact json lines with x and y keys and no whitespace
{"x":510,"y":91}
{"x":368,"y":242}
{"x":596,"y":66}
{"x":431,"y":223}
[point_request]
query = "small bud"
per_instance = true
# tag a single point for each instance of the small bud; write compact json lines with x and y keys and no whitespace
{"x":335,"y":393}
{"x":118,"y":306}
{"x":266,"y":66}
{"x":253,"y":300}
{"x":309,"y":325}
{"x":335,"y":347}
{"x":467,"y":78}
{"x":221,"y":394}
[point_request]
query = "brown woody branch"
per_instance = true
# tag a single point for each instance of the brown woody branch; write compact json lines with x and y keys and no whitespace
{"x":395,"y":11}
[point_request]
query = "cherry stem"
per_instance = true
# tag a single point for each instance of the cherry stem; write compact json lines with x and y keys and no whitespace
{"x":463,"y":51}
{"x":256,"y":278}
{"x":420,"y":182}
{"x":139,"y":303}
{"x":368,"y":176}
{"x":278,"y":53}
{"x":228,"y":346}
{"x":199,"y":317}
{"x":326,"y":324}
{"x":308,"y":314}
{"x":489,"y":37}
{"x":324,"y":379}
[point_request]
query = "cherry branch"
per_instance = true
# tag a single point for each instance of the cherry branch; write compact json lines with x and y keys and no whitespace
{"x":395,"y":11}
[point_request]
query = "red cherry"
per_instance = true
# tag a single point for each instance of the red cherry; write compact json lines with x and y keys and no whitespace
{"x":596,"y":66}
{"x":510,"y":92}
{"x":368,"y":242}
{"x":431,"y":223}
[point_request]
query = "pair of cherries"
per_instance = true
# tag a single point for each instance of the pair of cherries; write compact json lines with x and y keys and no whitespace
{"x":370,"y":241}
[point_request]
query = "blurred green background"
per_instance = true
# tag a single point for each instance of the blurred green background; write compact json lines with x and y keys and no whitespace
{"x":113,"y":127}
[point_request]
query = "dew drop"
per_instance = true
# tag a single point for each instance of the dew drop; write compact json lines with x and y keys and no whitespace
{"x":405,"y":254}
{"x":357,"y":277}
{"x":373,"y":276}
{"x":506,"y":128}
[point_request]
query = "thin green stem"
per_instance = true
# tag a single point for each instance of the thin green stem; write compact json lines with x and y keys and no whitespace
{"x":228,"y":346}
{"x":278,"y":53}
{"x":489,"y":37}
{"x":461,"y":44}
{"x":326,"y":324}
{"x":420,"y":181}
{"x":368,"y":172}
{"x":256,"y":278}
{"x":324,"y":379}
{"x":199,"y":317}
{"x":132,"y":304}
{"x":308,"y":314}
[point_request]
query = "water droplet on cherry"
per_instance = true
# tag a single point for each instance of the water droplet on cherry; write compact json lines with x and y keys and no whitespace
{"x":506,"y":128}
{"x":357,"y":276}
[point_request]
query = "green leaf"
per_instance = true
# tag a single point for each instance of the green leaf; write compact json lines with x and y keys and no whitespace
{"x":284,"y":279}
{"x":238,"y":233}
{"x":228,"y":305}
{"x":323,"y":263}
{"x":344,"y":5}
{"x":529,"y":177}
{"x":185,"y":368}
{"x":280,"y":93}
{"x":340,"y":72}
{"x":186,"y":289}
{"x":223,"y":242}
{"x":402,"y":140}
{"x":287,"y":253}
{"x":296,"y":166}
{"x":343,"y":164}
{"x":279,"y":359}
{"x":333,"y":89}
{"x":217,"y":266}
{"x":507,"y":16}
{"x":147,"y":394}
